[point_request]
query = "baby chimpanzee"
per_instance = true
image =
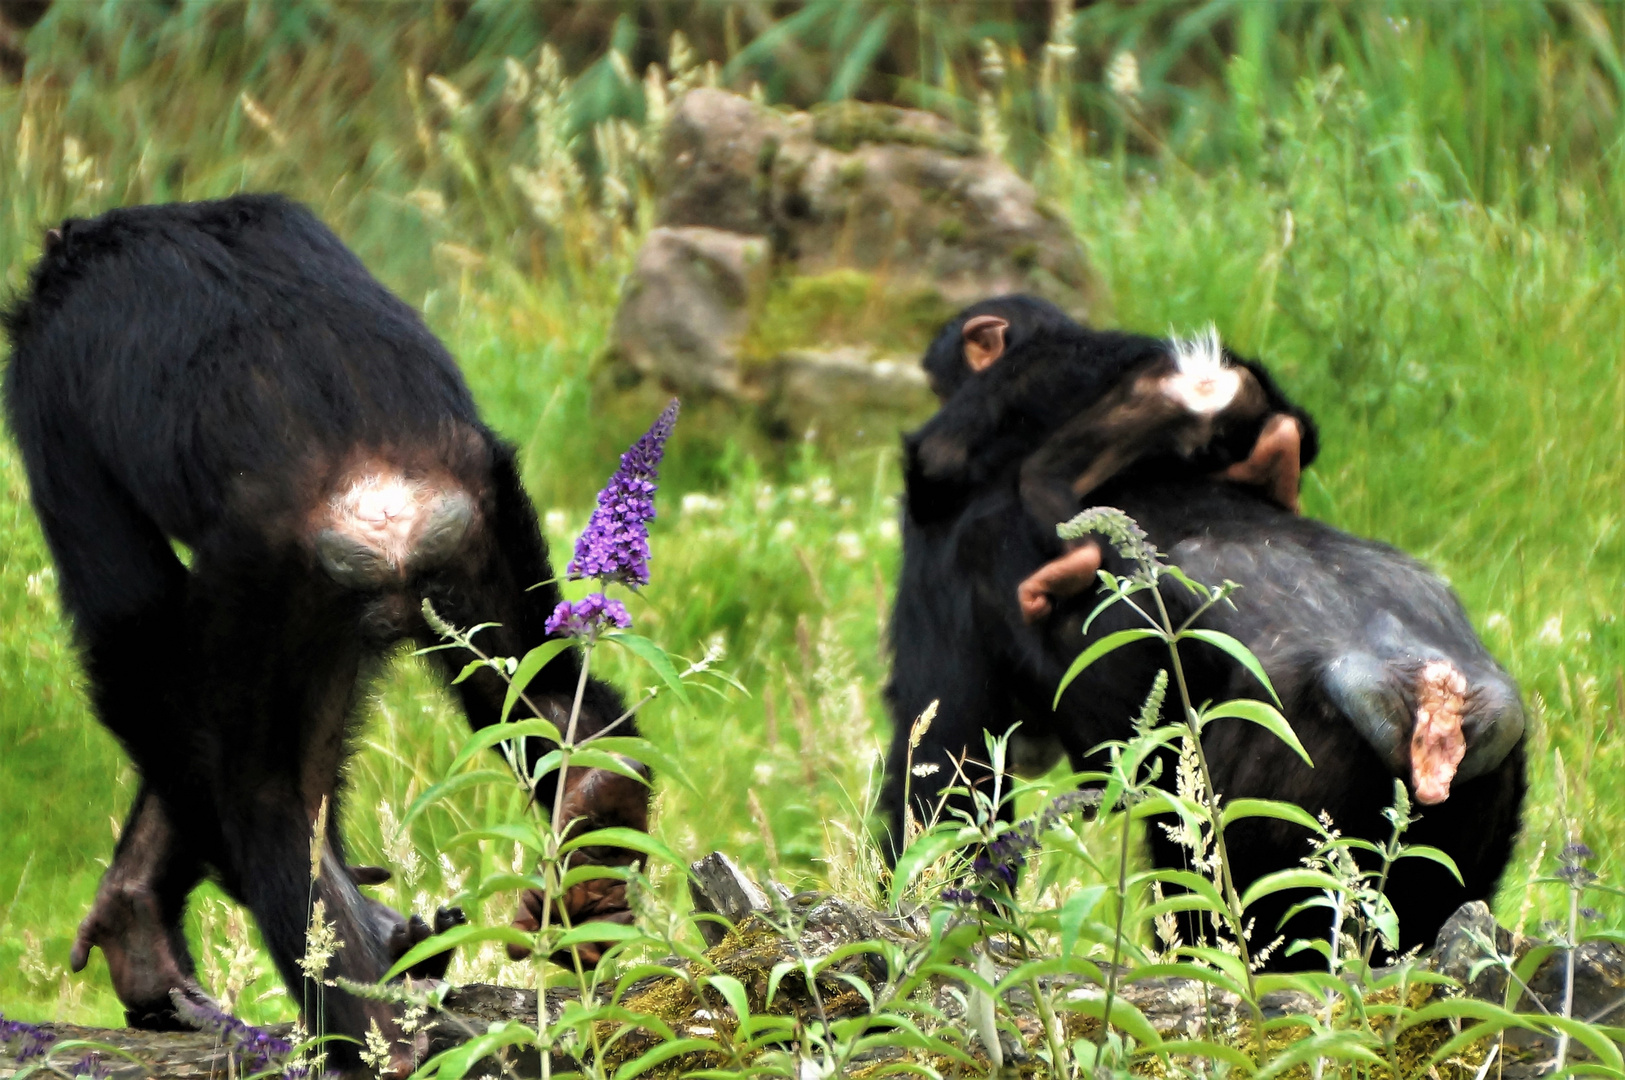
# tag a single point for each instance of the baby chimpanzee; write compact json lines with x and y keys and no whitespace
{"x":1026,"y":387}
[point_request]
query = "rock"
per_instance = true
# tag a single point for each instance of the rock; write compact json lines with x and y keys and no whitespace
{"x":897,"y":201}
{"x":686,"y":308}
{"x":717,"y":148}
{"x":719,"y":887}
{"x":962,"y":225}
{"x":1467,"y":939}
{"x":837,"y":382}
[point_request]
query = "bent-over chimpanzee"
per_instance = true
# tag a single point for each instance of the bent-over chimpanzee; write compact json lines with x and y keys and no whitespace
{"x":1021,"y":381}
{"x":1379,"y":670}
{"x":228,"y":378}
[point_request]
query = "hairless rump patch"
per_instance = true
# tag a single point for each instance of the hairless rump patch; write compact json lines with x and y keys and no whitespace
{"x":381,"y":525}
{"x":1437,"y":743}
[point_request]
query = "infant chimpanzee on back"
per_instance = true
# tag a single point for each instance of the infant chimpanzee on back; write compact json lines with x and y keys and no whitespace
{"x":1024,"y":386}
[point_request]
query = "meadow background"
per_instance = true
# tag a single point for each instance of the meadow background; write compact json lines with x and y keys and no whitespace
{"x":1413,"y":212}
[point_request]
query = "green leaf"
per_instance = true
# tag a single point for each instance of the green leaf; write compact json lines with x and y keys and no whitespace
{"x":1204,"y":1050}
{"x":513,"y":832}
{"x":593,"y":872}
{"x":533,"y":662}
{"x":1125,"y":1016}
{"x":454,"y":1063}
{"x":1240,"y":652}
{"x":1342,"y":1045}
{"x":640,"y":749}
{"x":654,"y":656}
{"x":603,"y":759}
{"x":1300,"y":878}
{"x":1076,"y":909}
{"x":1110,"y":643}
{"x":733,"y":992}
{"x":489,"y":736}
{"x":1190,"y":882}
{"x":1261,"y":714}
{"x":596,"y":931}
{"x":858,"y":58}
{"x":454,"y":938}
{"x":1225,"y":981}
{"x":775,"y":976}
{"x":924,"y":851}
{"x":451,"y":785}
{"x":622,"y":837}
{"x":663,"y":1052}
{"x":468,"y":669}
{"x":1269,"y":808}
{"x":1427,"y":851}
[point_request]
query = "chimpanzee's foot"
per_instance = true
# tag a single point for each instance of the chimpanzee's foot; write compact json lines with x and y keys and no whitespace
{"x":1065,"y":576}
{"x":400,"y":933}
{"x":146,"y":959}
{"x":593,"y":799}
{"x":598,"y":900}
{"x":1273,"y":464}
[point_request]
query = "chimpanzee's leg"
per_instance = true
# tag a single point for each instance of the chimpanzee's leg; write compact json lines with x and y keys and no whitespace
{"x":938,"y":655}
{"x":126,"y":592}
{"x":279,"y":657}
{"x":136,"y":918}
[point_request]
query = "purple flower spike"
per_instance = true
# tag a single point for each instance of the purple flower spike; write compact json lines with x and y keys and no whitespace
{"x":587,"y":616}
{"x":615,"y":544}
{"x":23,"y":1040}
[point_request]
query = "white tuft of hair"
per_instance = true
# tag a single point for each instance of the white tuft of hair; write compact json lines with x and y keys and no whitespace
{"x":1203,"y":382}
{"x":1199,"y":355}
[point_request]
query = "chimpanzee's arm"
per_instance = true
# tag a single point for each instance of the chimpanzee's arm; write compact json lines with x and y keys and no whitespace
{"x":982,"y":430}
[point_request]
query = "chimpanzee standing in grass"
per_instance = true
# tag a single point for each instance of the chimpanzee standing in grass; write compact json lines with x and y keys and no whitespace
{"x":228,"y":377}
{"x":1380,"y":673}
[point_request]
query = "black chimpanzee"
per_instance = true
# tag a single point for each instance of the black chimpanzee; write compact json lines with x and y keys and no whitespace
{"x":1022,"y":382}
{"x":1376,"y":663}
{"x":227,"y":378}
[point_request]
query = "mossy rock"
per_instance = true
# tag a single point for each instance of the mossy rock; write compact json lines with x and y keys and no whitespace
{"x":844,"y":307}
{"x":845,"y":125}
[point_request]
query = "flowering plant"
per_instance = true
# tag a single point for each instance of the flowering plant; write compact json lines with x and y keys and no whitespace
{"x":614,"y":547}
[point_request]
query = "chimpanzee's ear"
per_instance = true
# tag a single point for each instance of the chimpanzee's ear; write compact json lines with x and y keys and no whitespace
{"x":984,"y":340}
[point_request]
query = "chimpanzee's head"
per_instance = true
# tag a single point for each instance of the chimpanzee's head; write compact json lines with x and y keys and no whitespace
{"x":975,"y":338}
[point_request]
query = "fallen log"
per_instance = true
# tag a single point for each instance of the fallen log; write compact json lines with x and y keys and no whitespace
{"x":770,"y":928}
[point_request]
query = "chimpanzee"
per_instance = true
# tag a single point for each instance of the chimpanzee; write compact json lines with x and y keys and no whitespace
{"x":1376,"y":663}
{"x":253,"y":465}
{"x":1076,"y":406}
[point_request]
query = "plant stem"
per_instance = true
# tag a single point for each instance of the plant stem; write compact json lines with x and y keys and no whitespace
{"x":551,"y":875}
{"x":1117,"y":934}
{"x":1568,"y":976}
{"x":1232,"y":897}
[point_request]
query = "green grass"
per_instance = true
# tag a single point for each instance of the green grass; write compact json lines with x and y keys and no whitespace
{"x":1449,"y":305}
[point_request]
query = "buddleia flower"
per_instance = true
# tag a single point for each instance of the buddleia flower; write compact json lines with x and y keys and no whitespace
{"x":1120,"y":530}
{"x":615,"y":544}
{"x":587,"y":616}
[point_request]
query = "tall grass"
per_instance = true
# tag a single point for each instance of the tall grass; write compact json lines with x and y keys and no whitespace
{"x":1412,"y":212}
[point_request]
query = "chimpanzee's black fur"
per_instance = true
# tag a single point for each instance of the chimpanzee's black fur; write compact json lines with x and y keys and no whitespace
{"x":1310,"y":595}
{"x":1052,"y":369}
{"x":200,"y":374}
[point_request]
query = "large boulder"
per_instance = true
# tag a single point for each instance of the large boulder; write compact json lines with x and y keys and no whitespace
{"x":873,"y":225}
{"x":685,"y":311}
